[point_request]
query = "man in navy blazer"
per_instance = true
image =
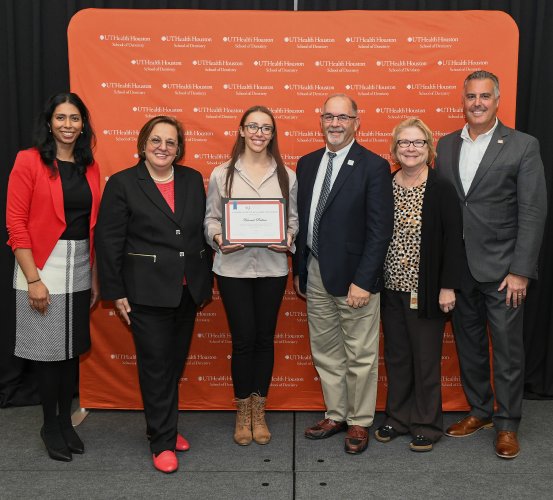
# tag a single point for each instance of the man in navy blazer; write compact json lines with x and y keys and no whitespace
{"x":345,"y":207}
{"x":499,"y":178}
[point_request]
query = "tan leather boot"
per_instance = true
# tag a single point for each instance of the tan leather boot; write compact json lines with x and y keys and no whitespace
{"x":243,"y":428}
{"x":261,"y":434}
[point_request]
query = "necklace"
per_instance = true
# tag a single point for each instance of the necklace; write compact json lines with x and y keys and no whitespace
{"x":405,"y":177}
{"x":170,"y":176}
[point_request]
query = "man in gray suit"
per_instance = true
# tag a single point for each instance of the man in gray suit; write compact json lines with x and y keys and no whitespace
{"x":499,"y":177}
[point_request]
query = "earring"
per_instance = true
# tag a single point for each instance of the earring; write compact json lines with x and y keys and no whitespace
{"x":82,"y":131}
{"x":49,"y":128}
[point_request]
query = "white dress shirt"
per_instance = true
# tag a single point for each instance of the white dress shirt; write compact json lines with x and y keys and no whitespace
{"x":336,"y":166}
{"x":472,"y":153}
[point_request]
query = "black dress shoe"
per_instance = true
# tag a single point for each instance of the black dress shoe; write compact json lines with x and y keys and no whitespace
{"x":72,"y":440}
{"x":421,"y":443}
{"x":55,"y":445}
{"x":386,"y":433}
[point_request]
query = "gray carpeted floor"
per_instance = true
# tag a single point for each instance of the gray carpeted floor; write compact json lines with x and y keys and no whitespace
{"x":117,"y":463}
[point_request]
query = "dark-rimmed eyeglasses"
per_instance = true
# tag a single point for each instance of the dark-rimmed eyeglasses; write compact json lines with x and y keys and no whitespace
{"x":418,"y":143}
{"x":253,"y":128}
{"x":329,"y":118}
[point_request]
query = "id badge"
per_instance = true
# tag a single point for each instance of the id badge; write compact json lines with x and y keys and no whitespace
{"x":414,"y":300}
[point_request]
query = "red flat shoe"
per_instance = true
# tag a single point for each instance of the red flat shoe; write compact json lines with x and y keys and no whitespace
{"x":166,"y":461}
{"x":182,"y":444}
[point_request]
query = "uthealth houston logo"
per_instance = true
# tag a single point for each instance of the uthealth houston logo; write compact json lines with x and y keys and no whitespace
{"x":247,"y":39}
{"x":346,"y":63}
{"x":125,"y":85}
{"x":155,"y":62}
{"x":279,"y":64}
{"x":124,"y":38}
{"x":247,"y":86}
{"x":186,"y":86}
{"x":156,"y":109}
{"x":188,"y":38}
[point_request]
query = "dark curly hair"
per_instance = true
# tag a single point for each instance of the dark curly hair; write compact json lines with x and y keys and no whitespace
{"x":44,"y":141}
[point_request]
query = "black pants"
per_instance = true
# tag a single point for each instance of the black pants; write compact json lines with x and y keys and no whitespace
{"x":252,"y":306}
{"x":413,"y":355}
{"x":162,"y":337}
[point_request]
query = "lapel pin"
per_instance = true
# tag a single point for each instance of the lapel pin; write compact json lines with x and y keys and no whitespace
{"x":350,"y":162}
{"x":499,"y":141}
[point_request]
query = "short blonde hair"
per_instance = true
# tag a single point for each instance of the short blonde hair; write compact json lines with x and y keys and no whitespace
{"x":418,"y":123}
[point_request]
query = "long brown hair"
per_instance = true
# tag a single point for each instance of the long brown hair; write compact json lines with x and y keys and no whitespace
{"x":272,"y":149}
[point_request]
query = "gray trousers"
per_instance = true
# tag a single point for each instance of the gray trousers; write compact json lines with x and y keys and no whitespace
{"x":478,"y":305}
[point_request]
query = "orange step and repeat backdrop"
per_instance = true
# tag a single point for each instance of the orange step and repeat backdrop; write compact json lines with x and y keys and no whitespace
{"x":206,"y":68}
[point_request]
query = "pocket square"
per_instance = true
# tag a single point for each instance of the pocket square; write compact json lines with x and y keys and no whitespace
{"x":350,"y":162}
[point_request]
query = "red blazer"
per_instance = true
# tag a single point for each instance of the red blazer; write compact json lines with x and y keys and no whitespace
{"x":34,"y":213}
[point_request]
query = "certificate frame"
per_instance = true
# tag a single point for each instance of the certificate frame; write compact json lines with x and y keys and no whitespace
{"x":235,"y":226}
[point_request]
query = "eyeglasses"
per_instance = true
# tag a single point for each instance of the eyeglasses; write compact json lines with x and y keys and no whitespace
{"x":156,"y":142}
{"x":253,"y":128}
{"x":329,"y":118}
{"x":418,"y":143}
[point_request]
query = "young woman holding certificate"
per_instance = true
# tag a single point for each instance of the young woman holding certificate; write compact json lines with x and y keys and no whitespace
{"x":252,"y":279}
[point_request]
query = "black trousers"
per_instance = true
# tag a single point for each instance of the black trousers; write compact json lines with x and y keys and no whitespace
{"x":252,"y":306}
{"x":162,"y":337}
{"x":480,"y":304}
{"x":413,"y":355}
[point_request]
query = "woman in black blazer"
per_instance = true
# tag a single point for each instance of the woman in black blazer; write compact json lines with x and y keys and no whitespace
{"x":421,"y":273}
{"x":154,"y":264}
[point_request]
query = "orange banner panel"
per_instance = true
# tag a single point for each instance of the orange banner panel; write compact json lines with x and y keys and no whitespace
{"x":205,"y":68}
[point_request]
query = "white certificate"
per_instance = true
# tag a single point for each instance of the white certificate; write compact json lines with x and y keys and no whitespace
{"x":254,"y":221}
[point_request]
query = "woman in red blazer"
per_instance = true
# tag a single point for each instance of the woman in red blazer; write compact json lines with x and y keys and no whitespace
{"x":52,"y":206}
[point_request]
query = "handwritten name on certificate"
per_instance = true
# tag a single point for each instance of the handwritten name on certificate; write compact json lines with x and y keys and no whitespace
{"x":254,"y":221}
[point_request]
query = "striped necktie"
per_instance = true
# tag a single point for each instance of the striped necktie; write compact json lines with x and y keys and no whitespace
{"x":325,"y":190}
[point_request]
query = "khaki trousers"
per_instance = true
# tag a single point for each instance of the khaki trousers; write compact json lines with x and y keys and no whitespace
{"x":344,"y":346}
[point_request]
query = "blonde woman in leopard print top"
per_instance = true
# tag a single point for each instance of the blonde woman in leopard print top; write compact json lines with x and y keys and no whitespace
{"x":421,"y":274}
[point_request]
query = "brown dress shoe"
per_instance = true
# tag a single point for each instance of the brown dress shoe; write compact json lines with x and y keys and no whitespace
{"x":357,"y":439}
{"x":506,"y":444}
{"x":324,"y":429}
{"x":469,"y":425}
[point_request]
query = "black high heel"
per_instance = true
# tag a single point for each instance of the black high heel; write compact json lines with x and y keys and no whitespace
{"x":56,"y":450}
{"x":72,"y":440}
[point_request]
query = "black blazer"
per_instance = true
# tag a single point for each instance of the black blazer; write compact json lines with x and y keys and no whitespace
{"x":442,"y":251}
{"x":143,"y":249}
{"x":356,"y":225}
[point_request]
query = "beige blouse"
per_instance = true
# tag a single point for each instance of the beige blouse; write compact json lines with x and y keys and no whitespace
{"x":401,"y":268}
{"x":250,"y":262}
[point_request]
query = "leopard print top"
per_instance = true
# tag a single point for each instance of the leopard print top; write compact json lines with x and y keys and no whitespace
{"x":401,"y":268}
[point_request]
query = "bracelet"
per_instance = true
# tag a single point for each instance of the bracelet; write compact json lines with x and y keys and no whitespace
{"x":31,"y":282}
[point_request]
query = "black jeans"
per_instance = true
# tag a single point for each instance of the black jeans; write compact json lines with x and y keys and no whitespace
{"x":252,"y":306}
